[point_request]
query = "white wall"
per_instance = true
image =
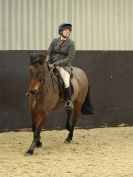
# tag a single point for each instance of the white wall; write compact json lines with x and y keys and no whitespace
{"x":97,"y":24}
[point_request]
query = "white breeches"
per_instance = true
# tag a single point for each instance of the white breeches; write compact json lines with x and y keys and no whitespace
{"x":65,"y":76}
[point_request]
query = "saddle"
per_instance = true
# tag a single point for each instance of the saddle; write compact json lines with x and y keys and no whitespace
{"x":61,"y":85}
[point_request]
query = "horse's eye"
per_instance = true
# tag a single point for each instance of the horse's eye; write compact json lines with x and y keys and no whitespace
{"x":42,"y":80}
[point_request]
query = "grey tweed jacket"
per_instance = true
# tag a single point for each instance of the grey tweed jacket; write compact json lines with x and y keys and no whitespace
{"x":63,"y":54}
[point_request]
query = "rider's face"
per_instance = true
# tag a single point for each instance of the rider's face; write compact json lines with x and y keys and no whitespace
{"x":66,"y":33}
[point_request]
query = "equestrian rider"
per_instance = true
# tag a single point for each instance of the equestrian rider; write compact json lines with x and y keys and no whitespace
{"x":60,"y":53}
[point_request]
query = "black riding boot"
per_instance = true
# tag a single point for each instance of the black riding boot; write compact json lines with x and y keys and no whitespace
{"x":69,"y":103}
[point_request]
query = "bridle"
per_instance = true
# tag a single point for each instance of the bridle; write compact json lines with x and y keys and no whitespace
{"x":43,"y":78}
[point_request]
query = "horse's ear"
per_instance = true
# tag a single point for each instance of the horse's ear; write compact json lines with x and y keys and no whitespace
{"x":30,"y":53}
{"x":45,"y":55}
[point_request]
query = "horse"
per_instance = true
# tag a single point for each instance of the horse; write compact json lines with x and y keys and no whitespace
{"x":44,"y":97}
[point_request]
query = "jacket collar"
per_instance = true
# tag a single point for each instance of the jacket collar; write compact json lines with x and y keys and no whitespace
{"x":58,"y":42}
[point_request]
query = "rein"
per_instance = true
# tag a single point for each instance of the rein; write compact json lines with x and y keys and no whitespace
{"x":50,"y":73}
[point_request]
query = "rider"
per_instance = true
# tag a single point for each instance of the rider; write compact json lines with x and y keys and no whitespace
{"x":60,"y":53}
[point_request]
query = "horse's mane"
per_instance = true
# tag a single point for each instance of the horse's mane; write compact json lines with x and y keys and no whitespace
{"x":37,"y":57}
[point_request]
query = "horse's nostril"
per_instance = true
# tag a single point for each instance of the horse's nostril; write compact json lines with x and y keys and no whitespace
{"x":33,"y":91}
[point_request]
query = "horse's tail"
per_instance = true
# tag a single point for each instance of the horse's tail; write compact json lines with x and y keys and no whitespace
{"x":87,"y":107}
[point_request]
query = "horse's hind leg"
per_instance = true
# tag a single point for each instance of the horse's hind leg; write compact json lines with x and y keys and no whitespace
{"x":76,"y":114}
{"x":69,"y":114}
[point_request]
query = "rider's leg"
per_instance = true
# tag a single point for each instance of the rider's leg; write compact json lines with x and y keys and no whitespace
{"x":66,"y":78}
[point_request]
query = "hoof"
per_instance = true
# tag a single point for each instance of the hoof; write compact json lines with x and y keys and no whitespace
{"x":38,"y":144}
{"x":29,"y":153}
{"x":67,"y":141}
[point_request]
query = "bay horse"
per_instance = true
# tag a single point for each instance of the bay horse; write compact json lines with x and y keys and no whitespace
{"x":44,"y":97}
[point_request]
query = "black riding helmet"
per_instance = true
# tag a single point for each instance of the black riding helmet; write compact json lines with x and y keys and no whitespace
{"x":65,"y":26}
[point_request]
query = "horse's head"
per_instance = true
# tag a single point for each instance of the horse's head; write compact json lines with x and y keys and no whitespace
{"x":37,"y":71}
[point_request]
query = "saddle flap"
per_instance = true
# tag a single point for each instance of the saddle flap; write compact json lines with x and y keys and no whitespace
{"x":61,"y":86}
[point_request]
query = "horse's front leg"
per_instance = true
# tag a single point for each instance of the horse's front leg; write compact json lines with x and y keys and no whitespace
{"x":34,"y":119}
{"x":34,"y":142}
{"x":38,"y":142}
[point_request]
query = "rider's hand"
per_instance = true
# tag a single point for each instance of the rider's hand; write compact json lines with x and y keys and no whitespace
{"x":56,"y":64}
